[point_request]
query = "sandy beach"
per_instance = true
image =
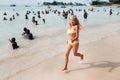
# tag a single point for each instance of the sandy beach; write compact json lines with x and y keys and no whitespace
{"x":43,"y":58}
{"x":116,"y":5}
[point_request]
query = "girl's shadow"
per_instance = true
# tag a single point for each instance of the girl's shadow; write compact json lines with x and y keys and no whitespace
{"x":100,"y":64}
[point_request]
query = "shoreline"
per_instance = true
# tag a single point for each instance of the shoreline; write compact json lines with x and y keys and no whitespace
{"x":117,"y":5}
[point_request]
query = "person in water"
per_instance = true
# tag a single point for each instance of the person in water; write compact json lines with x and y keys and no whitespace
{"x":44,"y":20}
{"x":34,"y":21}
{"x":27,"y":34}
{"x":25,"y":31}
{"x":85,"y":14}
{"x":73,"y":42}
{"x":14,"y":43}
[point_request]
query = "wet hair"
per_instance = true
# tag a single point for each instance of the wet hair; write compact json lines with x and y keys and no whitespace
{"x":13,"y":39}
{"x":25,"y":28}
{"x":33,"y":17}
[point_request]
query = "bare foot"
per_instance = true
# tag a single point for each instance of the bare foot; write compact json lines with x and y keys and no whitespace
{"x":64,"y":69}
{"x":81,"y":57}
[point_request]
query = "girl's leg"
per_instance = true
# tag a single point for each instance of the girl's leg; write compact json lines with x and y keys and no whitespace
{"x":69,"y":47}
{"x":75,"y":51}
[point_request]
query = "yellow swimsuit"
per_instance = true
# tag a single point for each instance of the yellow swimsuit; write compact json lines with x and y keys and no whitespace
{"x":72,"y":31}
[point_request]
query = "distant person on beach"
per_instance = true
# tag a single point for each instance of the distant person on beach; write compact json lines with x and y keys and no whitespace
{"x":14,"y":43}
{"x":110,"y":11}
{"x":13,"y":16}
{"x":27,"y":34}
{"x":25,"y":31}
{"x":58,"y":13}
{"x":44,"y":20}
{"x":10,"y":19}
{"x":85,"y":14}
{"x":26,"y":17}
{"x":5,"y":13}
{"x":73,"y":41}
{"x":34,"y":21}
{"x":38,"y":14}
{"x":4,"y":18}
{"x":65,"y":14}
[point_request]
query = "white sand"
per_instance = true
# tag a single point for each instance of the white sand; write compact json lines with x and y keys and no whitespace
{"x":43,"y":58}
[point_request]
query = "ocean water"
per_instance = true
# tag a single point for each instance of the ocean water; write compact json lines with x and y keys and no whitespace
{"x":14,"y":28}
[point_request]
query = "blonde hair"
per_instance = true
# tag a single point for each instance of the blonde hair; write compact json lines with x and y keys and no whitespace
{"x":76,"y":21}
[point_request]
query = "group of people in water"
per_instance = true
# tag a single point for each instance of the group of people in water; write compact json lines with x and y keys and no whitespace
{"x":11,"y":18}
{"x":34,"y":21}
{"x":27,"y":34}
{"x":64,"y":13}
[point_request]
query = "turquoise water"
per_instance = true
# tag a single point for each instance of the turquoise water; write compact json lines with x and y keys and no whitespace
{"x":14,"y":28}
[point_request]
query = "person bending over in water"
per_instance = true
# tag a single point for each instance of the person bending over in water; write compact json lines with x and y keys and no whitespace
{"x":27,"y":34}
{"x":73,"y":41}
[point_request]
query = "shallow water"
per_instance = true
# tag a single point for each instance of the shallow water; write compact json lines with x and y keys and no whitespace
{"x":14,"y":28}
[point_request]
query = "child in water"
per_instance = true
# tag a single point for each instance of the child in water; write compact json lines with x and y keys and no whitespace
{"x":14,"y":43}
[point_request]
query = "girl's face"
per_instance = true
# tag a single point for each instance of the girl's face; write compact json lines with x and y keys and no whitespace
{"x":72,"y":21}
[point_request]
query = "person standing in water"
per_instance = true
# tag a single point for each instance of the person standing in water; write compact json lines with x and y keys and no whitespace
{"x":85,"y":14}
{"x":73,"y":41}
{"x":110,"y":11}
{"x":44,"y":20}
